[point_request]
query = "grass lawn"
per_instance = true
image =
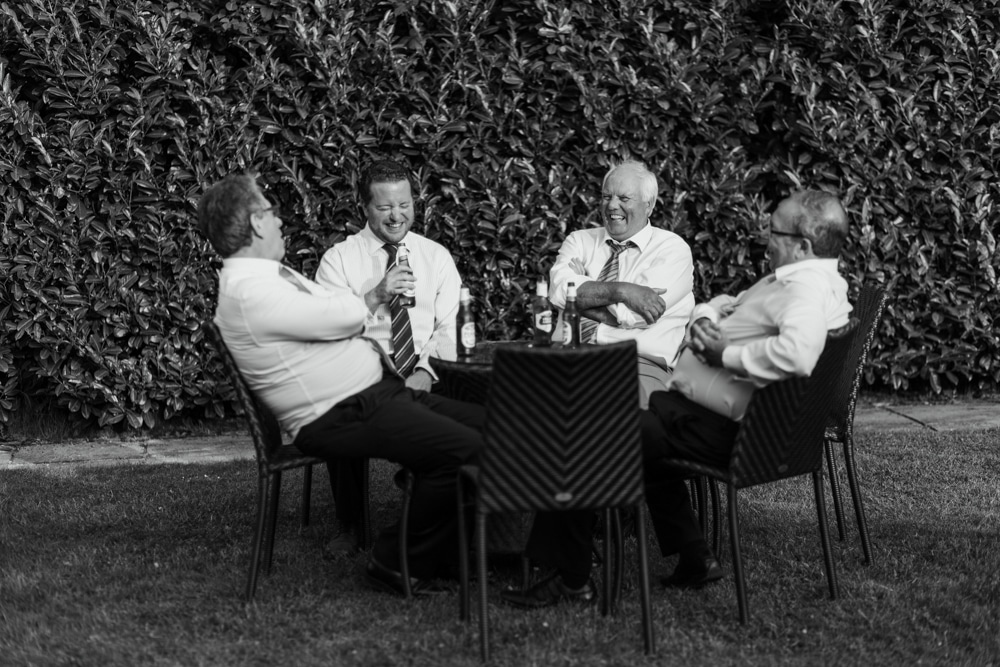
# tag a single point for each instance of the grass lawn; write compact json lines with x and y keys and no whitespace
{"x":146,"y":564}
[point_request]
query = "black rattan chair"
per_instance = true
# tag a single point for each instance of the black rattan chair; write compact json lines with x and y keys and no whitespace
{"x":868,"y":311}
{"x":781,"y":436}
{"x":273,"y":458}
{"x":562,"y":433}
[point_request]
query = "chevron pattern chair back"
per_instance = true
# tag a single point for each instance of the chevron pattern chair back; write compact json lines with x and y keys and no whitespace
{"x":782,"y":433}
{"x":561,"y":430}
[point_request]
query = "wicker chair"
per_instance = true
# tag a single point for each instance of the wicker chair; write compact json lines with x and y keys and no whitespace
{"x":868,"y":311}
{"x":556,"y":438}
{"x":782,"y":436}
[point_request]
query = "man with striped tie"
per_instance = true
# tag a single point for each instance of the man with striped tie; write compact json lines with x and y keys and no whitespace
{"x":366,"y":264}
{"x":301,"y":349}
{"x":774,"y":330}
{"x":633,"y":280}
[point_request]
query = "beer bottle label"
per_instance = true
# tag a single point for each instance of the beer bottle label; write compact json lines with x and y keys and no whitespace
{"x":469,"y":335}
{"x":543,"y":321}
{"x":567,"y":336}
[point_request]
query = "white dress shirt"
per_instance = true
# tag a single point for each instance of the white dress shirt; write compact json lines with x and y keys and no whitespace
{"x":358,"y":263}
{"x":298,"y":350}
{"x":662,"y":260}
{"x":776,"y":329}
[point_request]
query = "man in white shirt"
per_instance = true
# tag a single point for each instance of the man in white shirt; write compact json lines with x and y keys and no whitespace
{"x":299,"y":346}
{"x":362,"y":264}
{"x":648,"y":298}
{"x":775,"y":330}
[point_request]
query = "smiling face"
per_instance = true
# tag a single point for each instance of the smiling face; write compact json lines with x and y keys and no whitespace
{"x":390,"y":210}
{"x":623,"y":207}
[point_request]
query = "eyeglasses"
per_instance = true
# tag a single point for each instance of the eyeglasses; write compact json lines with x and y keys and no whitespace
{"x":274,"y":209}
{"x":778,"y":232}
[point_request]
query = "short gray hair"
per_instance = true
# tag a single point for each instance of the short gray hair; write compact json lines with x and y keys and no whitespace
{"x":823,"y":221}
{"x":649,"y":188}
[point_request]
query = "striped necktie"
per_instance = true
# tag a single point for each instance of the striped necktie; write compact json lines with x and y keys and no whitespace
{"x":402,"y":334}
{"x":588,"y":327}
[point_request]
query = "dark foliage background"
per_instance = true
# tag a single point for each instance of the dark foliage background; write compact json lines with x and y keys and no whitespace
{"x":114,"y":114}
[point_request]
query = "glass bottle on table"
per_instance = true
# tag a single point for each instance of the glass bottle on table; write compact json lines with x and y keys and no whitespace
{"x":542,"y":315}
{"x":465,"y":325}
{"x":407,"y":299}
{"x":571,"y":319}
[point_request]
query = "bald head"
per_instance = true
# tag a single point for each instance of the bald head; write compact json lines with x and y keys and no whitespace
{"x":821,"y":219}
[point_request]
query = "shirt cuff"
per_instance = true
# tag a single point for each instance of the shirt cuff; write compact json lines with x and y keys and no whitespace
{"x":425,"y":364}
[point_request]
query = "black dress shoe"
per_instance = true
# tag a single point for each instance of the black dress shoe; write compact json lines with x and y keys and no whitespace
{"x":382,"y":578}
{"x":694,"y":577}
{"x":549,"y":592}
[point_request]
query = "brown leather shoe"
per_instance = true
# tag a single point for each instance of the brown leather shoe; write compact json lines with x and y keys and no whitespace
{"x":549,"y":592}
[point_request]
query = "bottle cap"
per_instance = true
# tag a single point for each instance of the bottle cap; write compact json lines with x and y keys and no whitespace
{"x":542,"y":288}
{"x":401,"y":252}
{"x":464,"y":294}
{"x":571,"y":291}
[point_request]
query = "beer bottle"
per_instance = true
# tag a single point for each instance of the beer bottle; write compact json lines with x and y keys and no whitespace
{"x":571,"y":319}
{"x":465,"y":325}
{"x":408,"y":298}
{"x":541,"y":313}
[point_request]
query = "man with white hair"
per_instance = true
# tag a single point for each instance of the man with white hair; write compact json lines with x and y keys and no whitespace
{"x":633,"y":280}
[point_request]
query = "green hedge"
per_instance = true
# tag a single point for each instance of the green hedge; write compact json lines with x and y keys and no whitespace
{"x":114,"y":114}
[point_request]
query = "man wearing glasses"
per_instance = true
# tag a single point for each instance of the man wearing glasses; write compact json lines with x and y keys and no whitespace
{"x":300,"y":347}
{"x":775,"y":330}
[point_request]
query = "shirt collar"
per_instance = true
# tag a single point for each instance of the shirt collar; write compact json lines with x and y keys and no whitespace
{"x":251,"y":265}
{"x":373,"y":243}
{"x":826,"y":264}
{"x":641,"y":238}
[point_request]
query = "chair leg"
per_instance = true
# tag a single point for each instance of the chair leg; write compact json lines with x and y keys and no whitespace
{"x":734,"y":540}
{"x":606,"y":565}
{"x":463,"y":554}
{"x":258,"y":537}
{"x":713,"y":487}
{"x":404,"y":531}
{"x":307,"y":478}
{"x":831,"y":574}
{"x":701,"y":493}
{"x":619,"y":556}
{"x":272,"y":521}
{"x":838,"y":506}
{"x":365,"y":536}
{"x":647,"y":608}
{"x":484,"y":638}
{"x":859,"y":509}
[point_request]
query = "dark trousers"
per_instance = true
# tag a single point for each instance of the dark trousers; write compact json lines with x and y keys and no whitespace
{"x":673,"y":427}
{"x":430,"y":435}
{"x":347,"y":478}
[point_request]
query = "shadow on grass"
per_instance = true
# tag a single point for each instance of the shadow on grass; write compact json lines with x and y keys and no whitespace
{"x":145,"y":564}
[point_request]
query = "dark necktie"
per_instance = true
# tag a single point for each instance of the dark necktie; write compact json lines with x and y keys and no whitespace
{"x":588,"y":327}
{"x":402,"y":334}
